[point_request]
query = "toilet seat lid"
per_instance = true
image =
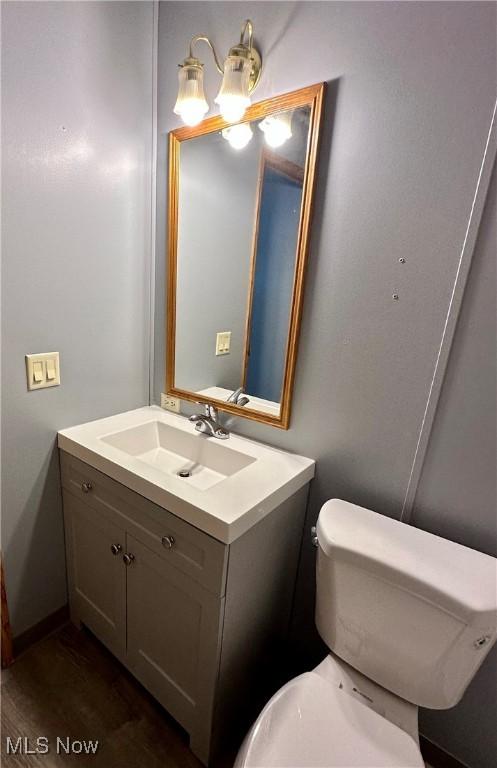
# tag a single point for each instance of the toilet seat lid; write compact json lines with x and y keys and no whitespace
{"x":310,"y":723}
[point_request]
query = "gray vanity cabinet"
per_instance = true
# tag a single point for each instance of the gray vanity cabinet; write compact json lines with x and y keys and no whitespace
{"x":200,"y":623}
{"x":97,"y":581}
{"x":174,"y":627}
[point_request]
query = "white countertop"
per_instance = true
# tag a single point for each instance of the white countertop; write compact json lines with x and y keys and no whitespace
{"x":225,"y":510}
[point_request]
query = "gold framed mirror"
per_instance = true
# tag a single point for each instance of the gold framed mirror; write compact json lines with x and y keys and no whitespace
{"x":239,"y":215}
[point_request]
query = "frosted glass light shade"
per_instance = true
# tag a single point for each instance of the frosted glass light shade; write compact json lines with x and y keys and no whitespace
{"x":238,"y":135}
{"x":191,"y":104}
{"x":233,"y":97}
{"x":277,"y":128}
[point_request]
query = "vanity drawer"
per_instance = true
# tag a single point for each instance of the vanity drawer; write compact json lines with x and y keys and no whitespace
{"x":182,"y":545}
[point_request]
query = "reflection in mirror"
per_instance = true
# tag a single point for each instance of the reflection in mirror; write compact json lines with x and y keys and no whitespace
{"x":272,"y":271}
{"x":240,"y":193}
{"x":239,"y":211}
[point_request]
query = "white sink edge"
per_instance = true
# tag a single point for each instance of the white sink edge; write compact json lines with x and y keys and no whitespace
{"x":226,"y":510}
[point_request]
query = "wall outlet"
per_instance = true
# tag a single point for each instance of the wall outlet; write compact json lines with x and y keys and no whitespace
{"x":169,"y":403}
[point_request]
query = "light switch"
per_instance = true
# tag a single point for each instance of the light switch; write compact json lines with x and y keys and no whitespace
{"x":37,"y":371}
{"x":43,"y":370}
{"x":51,"y":369}
{"x":223,"y":343}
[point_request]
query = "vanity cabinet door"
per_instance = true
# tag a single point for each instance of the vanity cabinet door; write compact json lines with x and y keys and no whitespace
{"x":174,"y":630}
{"x":97,"y":574}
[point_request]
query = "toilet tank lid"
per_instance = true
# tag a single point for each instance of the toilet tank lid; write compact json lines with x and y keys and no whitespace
{"x":453,"y":576}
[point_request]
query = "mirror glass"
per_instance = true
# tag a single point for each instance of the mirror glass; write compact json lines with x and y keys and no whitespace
{"x":240,"y":192}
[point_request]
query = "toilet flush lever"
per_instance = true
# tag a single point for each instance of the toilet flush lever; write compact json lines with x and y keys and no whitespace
{"x":481,"y":641}
{"x":314,"y":537}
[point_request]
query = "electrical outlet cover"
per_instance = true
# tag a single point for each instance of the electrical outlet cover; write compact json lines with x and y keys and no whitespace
{"x":169,"y":403}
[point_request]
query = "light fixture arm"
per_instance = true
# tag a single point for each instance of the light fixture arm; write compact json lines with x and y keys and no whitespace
{"x":243,"y":48}
{"x":205,"y":39}
{"x":247,"y":26}
{"x":246,"y":49}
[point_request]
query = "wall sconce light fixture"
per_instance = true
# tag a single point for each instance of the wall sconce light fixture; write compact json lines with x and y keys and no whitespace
{"x":241,"y":73}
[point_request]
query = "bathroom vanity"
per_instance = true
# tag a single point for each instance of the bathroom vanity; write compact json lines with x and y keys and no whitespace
{"x":188,"y":580}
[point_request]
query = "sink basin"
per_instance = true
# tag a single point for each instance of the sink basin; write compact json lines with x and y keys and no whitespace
{"x":229,"y":486}
{"x":199,"y":462}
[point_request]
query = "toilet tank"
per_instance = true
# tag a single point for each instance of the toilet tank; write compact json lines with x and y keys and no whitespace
{"x":413,"y":612}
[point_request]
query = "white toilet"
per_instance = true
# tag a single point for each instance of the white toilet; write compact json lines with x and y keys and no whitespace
{"x":409,"y":618}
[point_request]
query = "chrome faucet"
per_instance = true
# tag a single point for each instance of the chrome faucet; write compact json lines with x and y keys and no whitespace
{"x":236,"y":397}
{"x":208,"y":423}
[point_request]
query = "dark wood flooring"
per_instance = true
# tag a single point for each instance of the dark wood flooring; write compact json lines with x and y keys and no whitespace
{"x":69,"y":685}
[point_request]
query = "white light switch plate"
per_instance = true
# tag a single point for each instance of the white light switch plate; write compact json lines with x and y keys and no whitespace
{"x":223,"y":343}
{"x":43,"y":370}
{"x":169,"y":402}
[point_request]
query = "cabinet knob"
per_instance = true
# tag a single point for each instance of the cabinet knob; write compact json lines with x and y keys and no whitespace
{"x":128,"y":558}
{"x":86,"y":487}
{"x":168,"y":542}
{"x":115,"y":548}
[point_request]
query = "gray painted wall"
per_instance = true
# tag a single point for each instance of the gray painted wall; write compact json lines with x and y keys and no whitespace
{"x":457,"y":489}
{"x":456,"y":496}
{"x":76,"y":210}
{"x":411,"y":94}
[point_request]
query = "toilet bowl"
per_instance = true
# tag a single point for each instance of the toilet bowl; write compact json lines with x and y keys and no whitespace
{"x":333,"y":717}
{"x":408,"y":618}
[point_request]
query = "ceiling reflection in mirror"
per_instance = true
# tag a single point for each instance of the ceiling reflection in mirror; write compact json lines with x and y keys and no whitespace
{"x":239,"y":209}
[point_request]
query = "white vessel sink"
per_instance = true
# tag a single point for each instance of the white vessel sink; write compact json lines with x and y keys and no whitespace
{"x":174,"y":451}
{"x":232,"y":484}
